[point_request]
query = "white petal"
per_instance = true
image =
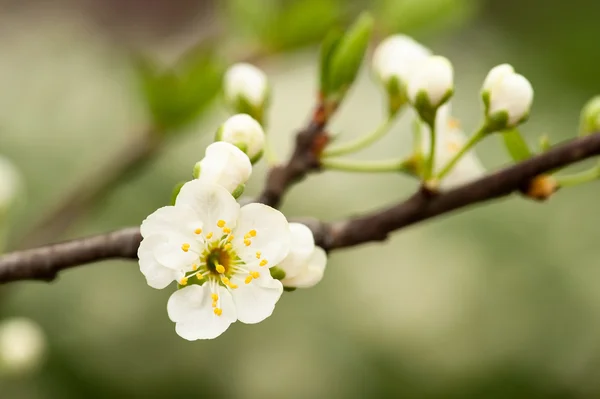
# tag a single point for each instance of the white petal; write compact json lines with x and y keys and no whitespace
{"x":255,"y":301}
{"x":312,"y":274}
{"x":226,"y":165}
{"x":167,"y":219}
{"x":211,"y":203}
{"x":496,"y":75}
{"x":169,"y":252}
{"x":272,"y":234}
{"x":157,"y":275}
{"x":248,"y":81}
{"x":243,"y":129}
{"x":398,"y":56}
{"x":435,"y":77}
{"x":191,"y":308}
{"x":301,"y":249}
{"x":514,"y":95}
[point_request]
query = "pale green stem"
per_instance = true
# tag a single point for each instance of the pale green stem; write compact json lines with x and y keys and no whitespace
{"x":347,"y":165}
{"x":417,"y":136}
{"x":361,"y":142}
{"x":579,"y":178}
{"x":474,"y":139}
{"x":431,"y":157}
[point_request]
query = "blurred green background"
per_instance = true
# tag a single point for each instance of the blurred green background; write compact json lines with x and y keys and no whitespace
{"x":500,"y":301}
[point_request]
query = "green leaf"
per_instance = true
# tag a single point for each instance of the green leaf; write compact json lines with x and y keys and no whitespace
{"x":516,"y":145}
{"x":177,"y":96}
{"x":349,"y":54}
{"x":328,"y":47}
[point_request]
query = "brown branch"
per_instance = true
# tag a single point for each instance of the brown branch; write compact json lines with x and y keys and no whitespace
{"x":45,"y":262}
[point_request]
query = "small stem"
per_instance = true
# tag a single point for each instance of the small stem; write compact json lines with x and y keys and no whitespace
{"x":347,"y":165}
{"x":474,"y":139}
{"x":579,"y":178}
{"x":417,"y":136}
{"x":431,"y":157}
{"x":361,"y":142}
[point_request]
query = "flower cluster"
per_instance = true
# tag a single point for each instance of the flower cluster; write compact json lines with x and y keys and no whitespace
{"x":226,"y":259}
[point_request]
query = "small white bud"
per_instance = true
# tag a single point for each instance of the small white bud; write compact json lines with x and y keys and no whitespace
{"x":305,"y":264}
{"x":246,"y":90}
{"x":224,"y":164}
{"x":431,"y":86}
{"x":507,"y":97}
{"x":398,"y":57}
{"x":22,"y":346}
{"x":245,"y":133}
{"x":10,"y":181}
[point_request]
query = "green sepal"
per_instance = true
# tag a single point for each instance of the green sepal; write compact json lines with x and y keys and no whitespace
{"x":289,"y":289}
{"x":277,"y":273}
{"x":257,"y":157}
{"x":497,"y":122}
{"x":197,"y":170}
{"x":590,"y":117}
{"x":515,"y":145}
{"x":348,"y":56}
{"x":396,"y":96}
{"x":176,"y":191}
{"x":241,"y":105}
{"x":239,"y":190}
{"x":328,"y":47}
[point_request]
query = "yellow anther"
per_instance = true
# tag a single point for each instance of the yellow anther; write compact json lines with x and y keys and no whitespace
{"x":185,"y":247}
{"x":194,"y":267}
{"x":252,"y":233}
{"x":263,"y":262}
{"x":233,"y":286}
{"x":255,"y":274}
{"x":220,"y":269}
{"x":221,"y":223}
{"x":226,"y":230}
{"x":248,"y":279}
{"x":225,"y":280}
{"x":218,"y":311}
{"x":198,"y":231}
{"x":183,"y":281}
{"x":228,"y":246}
{"x":209,"y":235}
{"x":214,"y":297}
{"x":258,"y":254}
{"x":247,"y":242}
{"x":214,"y":304}
{"x":230,"y":238}
{"x":200,"y":276}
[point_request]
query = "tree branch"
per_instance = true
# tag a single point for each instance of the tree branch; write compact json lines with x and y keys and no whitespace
{"x":45,"y":262}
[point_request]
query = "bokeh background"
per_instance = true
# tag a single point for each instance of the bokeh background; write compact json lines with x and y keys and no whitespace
{"x":497,"y":301}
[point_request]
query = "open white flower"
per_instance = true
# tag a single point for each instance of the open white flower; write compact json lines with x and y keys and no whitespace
{"x":398,"y":56}
{"x":22,"y":346}
{"x":246,"y":89}
{"x":244,"y":132}
{"x":9,"y":183}
{"x":450,"y":139}
{"x":434,"y":80}
{"x":507,"y":96}
{"x":224,"y":164}
{"x":305,"y":264}
{"x":220,"y":253}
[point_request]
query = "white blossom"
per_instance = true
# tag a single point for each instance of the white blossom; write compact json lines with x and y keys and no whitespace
{"x":449,"y":140}
{"x":305,"y":264}
{"x":22,"y":346}
{"x":220,"y":254}
{"x":246,"y":86}
{"x":435,"y":79}
{"x":398,"y":56}
{"x":10,"y":181}
{"x":224,"y":164}
{"x":507,"y":92}
{"x":244,"y":132}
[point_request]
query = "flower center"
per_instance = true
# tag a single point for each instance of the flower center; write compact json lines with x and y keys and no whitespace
{"x":219,"y":261}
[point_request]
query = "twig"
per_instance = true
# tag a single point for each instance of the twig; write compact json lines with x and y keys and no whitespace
{"x":44,"y":263}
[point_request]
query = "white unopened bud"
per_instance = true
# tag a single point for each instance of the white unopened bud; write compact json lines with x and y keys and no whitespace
{"x":246,"y":90}
{"x":22,"y":346}
{"x":10,"y":182}
{"x":507,"y":97}
{"x":226,"y":165}
{"x":245,"y":133}
{"x":431,"y":86}
{"x":395,"y":60}
{"x":304,"y":265}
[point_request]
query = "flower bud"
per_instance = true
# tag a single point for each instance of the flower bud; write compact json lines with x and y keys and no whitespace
{"x":507,"y":97}
{"x":305,"y":263}
{"x":431,"y":86}
{"x":10,"y":182}
{"x":22,"y":346}
{"x":590,"y":117}
{"x":395,"y":60}
{"x":226,"y":165}
{"x":246,"y":90}
{"x":245,"y":133}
